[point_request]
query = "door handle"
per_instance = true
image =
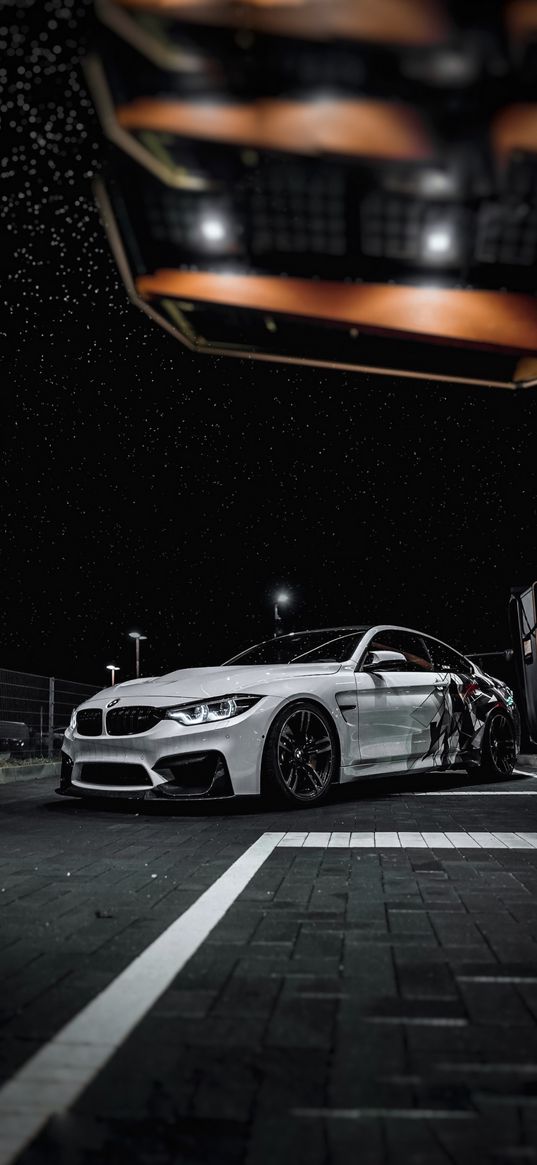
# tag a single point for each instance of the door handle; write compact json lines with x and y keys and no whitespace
{"x":440,"y":687}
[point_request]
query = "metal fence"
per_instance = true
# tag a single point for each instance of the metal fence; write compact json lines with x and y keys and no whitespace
{"x":35,"y":711}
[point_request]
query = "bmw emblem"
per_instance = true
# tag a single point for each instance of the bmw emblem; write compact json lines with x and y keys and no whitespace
{"x":112,"y":702}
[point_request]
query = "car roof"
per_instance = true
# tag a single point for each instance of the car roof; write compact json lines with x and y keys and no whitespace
{"x":363,"y":627}
{"x":358,"y":628}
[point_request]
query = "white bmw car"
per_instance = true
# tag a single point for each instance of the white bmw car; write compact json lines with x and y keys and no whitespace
{"x":293,"y":716}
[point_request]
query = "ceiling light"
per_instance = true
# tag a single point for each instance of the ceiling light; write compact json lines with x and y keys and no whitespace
{"x":213,"y":229}
{"x":438,"y":241}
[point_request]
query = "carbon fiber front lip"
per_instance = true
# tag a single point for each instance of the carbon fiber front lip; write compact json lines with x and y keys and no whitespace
{"x":143,"y":795}
{"x":117,"y":794}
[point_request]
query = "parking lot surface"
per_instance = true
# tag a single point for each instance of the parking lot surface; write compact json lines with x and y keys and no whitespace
{"x":362,"y":987}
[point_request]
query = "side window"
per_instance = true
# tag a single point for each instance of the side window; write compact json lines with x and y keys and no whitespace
{"x":413,"y":648}
{"x":445,"y":659}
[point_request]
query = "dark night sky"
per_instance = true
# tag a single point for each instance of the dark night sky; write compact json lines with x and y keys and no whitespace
{"x":144,"y":486}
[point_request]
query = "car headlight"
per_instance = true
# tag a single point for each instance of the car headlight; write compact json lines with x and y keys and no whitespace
{"x":203,"y":712}
{"x":72,"y":722}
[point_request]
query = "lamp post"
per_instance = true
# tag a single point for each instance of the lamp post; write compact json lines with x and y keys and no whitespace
{"x":281,"y":598}
{"x":137,"y":637}
{"x":113,"y":667}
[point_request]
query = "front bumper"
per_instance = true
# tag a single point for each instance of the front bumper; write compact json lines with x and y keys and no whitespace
{"x":170,"y":761}
{"x":196,"y":776}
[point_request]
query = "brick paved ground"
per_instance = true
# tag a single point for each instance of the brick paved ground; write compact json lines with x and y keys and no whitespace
{"x":353,"y":1005}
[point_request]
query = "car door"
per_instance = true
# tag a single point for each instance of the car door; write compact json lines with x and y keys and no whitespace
{"x":398,"y":711}
{"x":455,"y":727}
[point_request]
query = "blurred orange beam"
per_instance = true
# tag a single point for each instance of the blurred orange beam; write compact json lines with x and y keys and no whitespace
{"x":521,"y":18}
{"x":485,"y":318}
{"x":417,"y":22}
{"x":515,"y":128}
{"x":370,"y":128}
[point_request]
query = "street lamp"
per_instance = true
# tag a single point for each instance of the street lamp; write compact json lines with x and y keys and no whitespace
{"x":113,"y":667}
{"x":281,"y":598}
{"x":137,"y":637}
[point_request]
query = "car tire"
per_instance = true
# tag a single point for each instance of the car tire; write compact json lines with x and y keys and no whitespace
{"x":301,"y":755}
{"x":498,"y":750}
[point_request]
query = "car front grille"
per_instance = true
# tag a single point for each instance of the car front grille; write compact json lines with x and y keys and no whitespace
{"x":130,"y":720}
{"x":89,"y":722}
{"x":115,"y":775}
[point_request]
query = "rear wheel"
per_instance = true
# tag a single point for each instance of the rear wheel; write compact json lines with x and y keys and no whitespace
{"x":498,"y":751}
{"x":301,"y":756}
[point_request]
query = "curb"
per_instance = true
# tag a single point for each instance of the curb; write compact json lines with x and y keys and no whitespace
{"x":528,"y":761}
{"x":12,"y":773}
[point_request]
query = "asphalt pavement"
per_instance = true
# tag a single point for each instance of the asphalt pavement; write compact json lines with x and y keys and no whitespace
{"x":227,"y":985}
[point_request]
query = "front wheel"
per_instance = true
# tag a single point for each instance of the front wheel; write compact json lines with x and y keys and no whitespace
{"x":498,"y":751}
{"x":301,"y":756}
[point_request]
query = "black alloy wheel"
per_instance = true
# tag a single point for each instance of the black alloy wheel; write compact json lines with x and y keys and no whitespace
{"x":301,"y":755}
{"x":498,"y":753}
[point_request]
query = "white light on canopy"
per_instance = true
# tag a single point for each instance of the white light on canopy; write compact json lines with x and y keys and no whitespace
{"x":436,"y":182}
{"x":438,"y":240}
{"x":213,"y":229}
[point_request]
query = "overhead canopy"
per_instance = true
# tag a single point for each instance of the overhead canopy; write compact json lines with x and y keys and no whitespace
{"x":411,"y":22}
{"x":487,"y":318}
{"x":515,"y":128}
{"x":351,"y":183}
{"x":521,"y":18}
{"x":371,"y":128}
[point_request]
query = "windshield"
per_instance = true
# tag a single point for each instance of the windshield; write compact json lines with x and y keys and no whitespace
{"x":333,"y":645}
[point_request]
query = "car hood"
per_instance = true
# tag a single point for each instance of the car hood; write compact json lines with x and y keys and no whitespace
{"x":205,"y":682}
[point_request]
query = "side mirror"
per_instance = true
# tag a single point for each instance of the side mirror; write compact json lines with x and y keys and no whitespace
{"x":384,"y":661}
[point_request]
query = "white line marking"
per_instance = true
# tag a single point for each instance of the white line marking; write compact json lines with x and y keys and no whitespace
{"x":512,"y":841}
{"x":391,"y":840}
{"x":359,"y":839}
{"x":311,"y":839}
{"x":340,"y":839}
{"x":437,"y":840}
{"x":496,"y":978}
{"x":411,"y":840}
{"x":503,"y":1069}
{"x":487,"y":840}
{"x":479,"y":793}
{"x":530,"y":837}
{"x":356,"y":1114}
{"x":56,"y":1076}
{"x":294,"y":839}
{"x":419,"y":1020}
{"x":451,"y":839}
